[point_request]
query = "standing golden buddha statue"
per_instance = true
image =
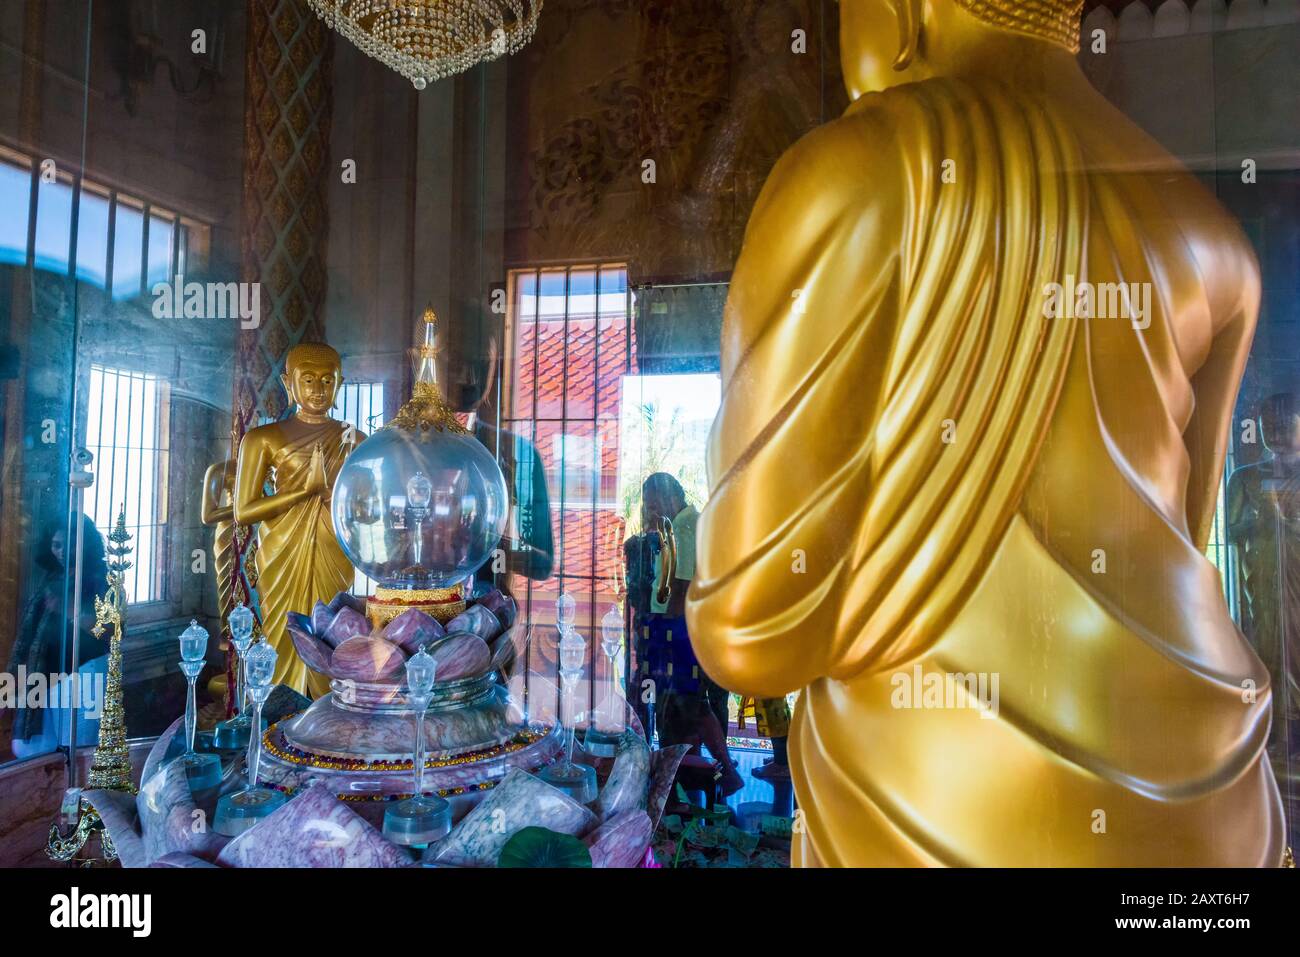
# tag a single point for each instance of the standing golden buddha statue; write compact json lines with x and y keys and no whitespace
{"x":218,"y":513}
{"x":299,"y":559}
{"x":927,"y":475}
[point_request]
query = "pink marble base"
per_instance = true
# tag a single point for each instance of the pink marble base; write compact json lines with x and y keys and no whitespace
{"x":368,"y":789}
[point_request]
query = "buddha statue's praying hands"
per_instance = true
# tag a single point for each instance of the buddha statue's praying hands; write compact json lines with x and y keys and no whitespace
{"x":299,"y":559}
{"x":928,"y":485}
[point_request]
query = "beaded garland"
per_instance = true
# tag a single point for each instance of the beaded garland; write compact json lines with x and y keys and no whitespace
{"x":292,"y":755}
{"x":366,"y":798}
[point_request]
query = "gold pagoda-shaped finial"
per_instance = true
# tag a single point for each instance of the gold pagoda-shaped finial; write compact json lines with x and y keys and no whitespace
{"x":111,"y":767}
{"x":427,"y":408}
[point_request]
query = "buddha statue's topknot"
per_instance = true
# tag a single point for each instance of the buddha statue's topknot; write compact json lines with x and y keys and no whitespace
{"x":308,"y":351}
{"x":1054,"y":20}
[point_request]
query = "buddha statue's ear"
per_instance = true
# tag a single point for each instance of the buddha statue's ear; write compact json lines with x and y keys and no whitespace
{"x":909,"y":31}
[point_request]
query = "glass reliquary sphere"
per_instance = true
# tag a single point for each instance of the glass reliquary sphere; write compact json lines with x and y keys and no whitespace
{"x":421,"y":503}
{"x":419,"y":508}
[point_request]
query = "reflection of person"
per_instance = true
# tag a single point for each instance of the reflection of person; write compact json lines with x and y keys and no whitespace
{"x":639,"y":553}
{"x":1263,"y":519}
{"x":690,"y":708}
{"x":529,"y":543}
{"x":772,"y":715}
{"x":923,"y":478}
{"x":299,"y":559}
{"x":40,"y":648}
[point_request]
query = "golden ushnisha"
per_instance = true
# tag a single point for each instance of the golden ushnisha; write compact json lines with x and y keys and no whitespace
{"x":1054,"y":20}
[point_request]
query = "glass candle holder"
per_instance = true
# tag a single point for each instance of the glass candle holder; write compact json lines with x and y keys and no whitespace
{"x":238,"y":812}
{"x":605,"y":729}
{"x":420,"y":819}
{"x":233,"y":733}
{"x":576,"y":780}
{"x":203,"y":771}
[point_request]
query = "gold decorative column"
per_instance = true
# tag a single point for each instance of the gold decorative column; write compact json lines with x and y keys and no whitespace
{"x":110,"y":767}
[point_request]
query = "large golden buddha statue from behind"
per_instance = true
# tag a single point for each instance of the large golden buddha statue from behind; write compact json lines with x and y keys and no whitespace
{"x":962,"y":477}
{"x":299,"y":559}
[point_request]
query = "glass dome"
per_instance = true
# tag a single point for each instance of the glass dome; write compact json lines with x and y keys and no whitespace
{"x":419,"y":509}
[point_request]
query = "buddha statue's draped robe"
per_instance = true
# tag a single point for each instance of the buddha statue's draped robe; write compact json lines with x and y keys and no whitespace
{"x":223,"y":549}
{"x":223,"y":558}
{"x":299,"y":560}
{"x":916,"y":472}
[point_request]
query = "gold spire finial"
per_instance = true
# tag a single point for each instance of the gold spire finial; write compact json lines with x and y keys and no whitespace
{"x":110,"y":767}
{"x":427,"y":409}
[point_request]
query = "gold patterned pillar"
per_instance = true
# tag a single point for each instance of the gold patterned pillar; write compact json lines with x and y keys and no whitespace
{"x":287,"y":110}
{"x":285,"y":225}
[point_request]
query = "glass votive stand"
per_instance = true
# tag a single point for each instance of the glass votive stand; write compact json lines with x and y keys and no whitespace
{"x":239,"y":811}
{"x":602,"y":741}
{"x":233,"y":733}
{"x":203,"y":771}
{"x":420,"y":819}
{"x":576,"y":780}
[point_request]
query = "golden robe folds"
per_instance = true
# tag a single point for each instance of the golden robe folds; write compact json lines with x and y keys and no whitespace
{"x":915,"y":466}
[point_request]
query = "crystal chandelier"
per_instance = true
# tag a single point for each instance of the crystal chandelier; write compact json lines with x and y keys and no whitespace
{"x":426,"y":40}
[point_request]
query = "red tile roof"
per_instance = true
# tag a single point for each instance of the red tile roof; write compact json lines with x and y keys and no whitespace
{"x":594,"y":371}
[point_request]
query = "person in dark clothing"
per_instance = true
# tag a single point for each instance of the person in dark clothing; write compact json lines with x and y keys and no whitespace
{"x":528,"y":544}
{"x":41,"y":647}
{"x":690,"y":708}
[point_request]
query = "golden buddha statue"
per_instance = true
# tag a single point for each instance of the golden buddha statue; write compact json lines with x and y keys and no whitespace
{"x":928,"y":478}
{"x":299,"y":559}
{"x":218,"y":513}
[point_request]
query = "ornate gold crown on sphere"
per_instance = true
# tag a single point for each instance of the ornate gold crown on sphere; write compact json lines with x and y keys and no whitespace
{"x":1053,"y":20}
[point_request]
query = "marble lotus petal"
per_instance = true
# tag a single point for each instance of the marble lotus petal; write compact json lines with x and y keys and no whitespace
{"x":301,"y":622}
{"x":315,"y":829}
{"x":366,"y":659}
{"x":180,"y":859}
{"x":348,"y":623}
{"x":460,"y":656}
{"x":523,"y":801}
{"x":501,"y":605}
{"x":621,"y":841}
{"x":663,"y":772}
{"x":628,"y":786}
{"x":159,"y":750}
{"x":168,"y":812}
{"x":412,"y":629}
{"x":347,"y":600}
{"x":476,"y":620}
{"x":321,"y":616}
{"x":117,"y":811}
{"x":312,"y":650}
{"x":509,"y":648}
